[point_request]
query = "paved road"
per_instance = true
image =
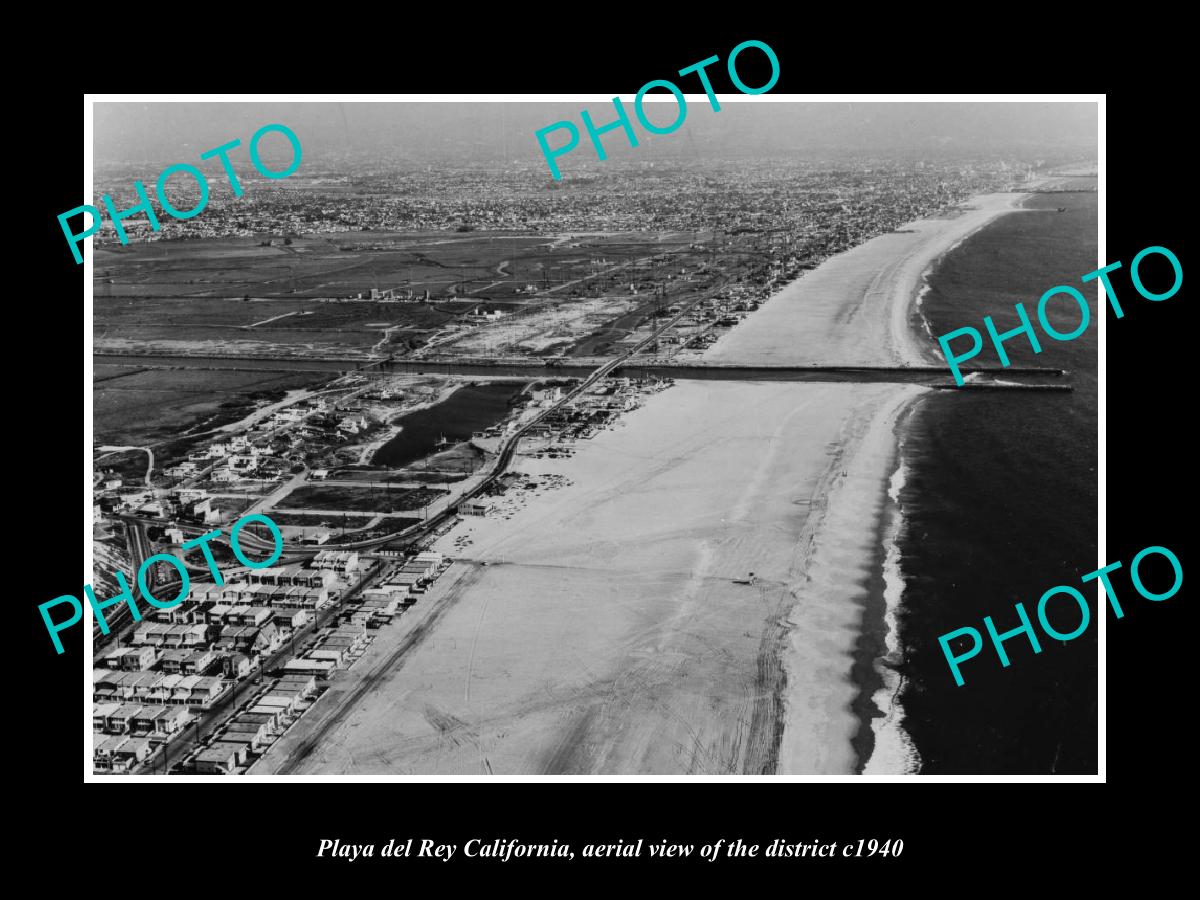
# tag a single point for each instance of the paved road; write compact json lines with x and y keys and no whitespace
{"x":228,"y":705}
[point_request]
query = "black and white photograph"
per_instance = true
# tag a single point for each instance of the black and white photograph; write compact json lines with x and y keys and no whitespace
{"x":694,"y":435}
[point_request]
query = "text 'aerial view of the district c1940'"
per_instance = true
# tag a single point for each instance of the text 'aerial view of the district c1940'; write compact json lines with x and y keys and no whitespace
{"x":656,"y":469}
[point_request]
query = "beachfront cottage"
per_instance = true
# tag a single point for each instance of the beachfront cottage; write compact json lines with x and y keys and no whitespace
{"x":306,"y":684}
{"x":256,"y":734}
{"x":222,"y":758}
{"x":321,"y":668}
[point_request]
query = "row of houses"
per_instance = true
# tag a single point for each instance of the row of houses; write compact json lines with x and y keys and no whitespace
{"x":213,"y":612}
{"x":156,"y":688}
{"x":138,"y":720}
{"x":120,"y":753}
{"x":275,"y":596}
{"x":258,"y":726}
{"x":248,"y":639}
{"x":183,"y":660}
{"x":405,"y":582}
{"x":343,"y":646}
{"x":293,"y":575}
{"x":343,"y":563}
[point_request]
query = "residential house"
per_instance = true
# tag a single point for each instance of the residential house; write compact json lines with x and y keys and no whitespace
{"x":287,"y":620}
{"x":270,"y":716}
{"x":103,"y":751}
{"x":172,"y":660}
{"x":292,"y":575}
{"x":199,"y":662}
{"x":256,"y":734}
{"x":204,"y":690}
{"x":236,"y":665}
{"x":286,"y":699}
{"x":250,"y":616}
{"x":164,"y":692}
{"x":144,"y":722}
{"x":127,"y":755}
{"x":321,"y":668}
{"x":100,"y":714}
{"x":306,"y":684}
{"x":335,"y":655}
{"x":171,"y":719}
{"x":222,"y":758}
{"x":121,"y":720}
{"x":344,"y":562}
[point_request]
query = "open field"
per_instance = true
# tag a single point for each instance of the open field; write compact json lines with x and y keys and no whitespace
{"x":139,"y":407}
{"x":345,"y":264}
{"x":231,"y":296}
{"x":358,"y":499}
{"x":313,"y":520}
{"x":257,"y":327}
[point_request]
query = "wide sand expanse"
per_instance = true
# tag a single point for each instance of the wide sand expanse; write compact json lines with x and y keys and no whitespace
{"x":611,"y":626}
{"x":855,"y":308}
{"x":607,"y":632}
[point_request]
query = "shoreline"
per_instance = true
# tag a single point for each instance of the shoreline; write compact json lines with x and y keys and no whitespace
{"x":829,"y":667}
{"x":884,"y":746}
{"x":920,"y":287}
{"x":855,"y":308}
{"x":836,"y":309}
{"x":585,"y":646}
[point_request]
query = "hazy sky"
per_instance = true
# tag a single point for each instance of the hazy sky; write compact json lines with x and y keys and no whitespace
{"x":163,"y":133}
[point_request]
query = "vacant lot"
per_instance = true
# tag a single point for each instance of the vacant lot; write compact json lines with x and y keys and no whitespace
{"x":309,"y":520}
{"x":354,"y":499}
{"x":221,"y":326}
{"x":232,"y":296}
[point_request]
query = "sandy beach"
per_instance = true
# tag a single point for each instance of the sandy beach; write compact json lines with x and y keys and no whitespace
{"x":855,"y":308}
{"x":606,"y":627}
{"x":606,"y":632}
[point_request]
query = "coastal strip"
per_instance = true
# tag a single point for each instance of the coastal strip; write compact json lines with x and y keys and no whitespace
{"x":861,"y":308}
{"x":691,"y":600}
{"x":855,"y":308}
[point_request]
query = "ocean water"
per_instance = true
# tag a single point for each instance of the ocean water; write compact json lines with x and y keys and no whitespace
{"x":998,"y":504}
